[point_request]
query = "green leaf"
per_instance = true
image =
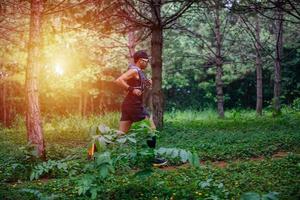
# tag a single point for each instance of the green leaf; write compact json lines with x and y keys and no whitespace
{"x":103,"y":129}
{"x":174,"y":153}
{"x":109,"y":137}
{"x":104,"y":171}
{"x":121,"y":140}
{"x":132,"y":140}
{"x":80,"y":191}
{"x":103,"y":158}
{"x":144,"y":173}
{"x":250,"y":196}
{"x":204,"y":184}
{"x":183,"y":155}
{"x":94,"y":193}
{"x":100,"y":144}
{"x":161,"y":150}
{"x":194,"y":159}
{"x":270,"y":196}
{"x":169,"y":151}
{"x":32,"y":176}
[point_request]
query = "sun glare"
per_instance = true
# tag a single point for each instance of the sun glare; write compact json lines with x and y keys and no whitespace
{"x":59,"y":70}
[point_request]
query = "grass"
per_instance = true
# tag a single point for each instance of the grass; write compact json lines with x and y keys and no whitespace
{"x":237,"y":138}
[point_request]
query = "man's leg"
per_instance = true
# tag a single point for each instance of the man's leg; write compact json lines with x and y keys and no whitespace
{"x":158,"y":161}
{"x":124,"y":126}
{"x":151,"y":142}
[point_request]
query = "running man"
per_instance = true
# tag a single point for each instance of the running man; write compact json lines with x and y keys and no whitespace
{"x":134,"y":81}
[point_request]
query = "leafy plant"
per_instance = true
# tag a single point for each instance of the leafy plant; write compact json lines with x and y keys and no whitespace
{"x":39,"y":195}
{"x":256,"y":196}
{"x":65,"y":166}
{"x":216,"y":190}
{"x":114,"y":148}
{"x":296,"y":104}
{"x":182,"y":154}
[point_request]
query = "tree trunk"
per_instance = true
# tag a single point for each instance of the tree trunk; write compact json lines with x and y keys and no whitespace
{"x":80,"y":99}
{"x":12,"y":104}
{"x":4,"y":103}
{"x":258,"y":63}
{"x":85,"y":98}
{"x":156,"y":65}
{"x":1,"y":101}
{"x":277,"y":65}
{"x":219,"y":65}
{"x":9,"y":104}
{"x":131,"y":46}
{"x":33,"y":118}
{"x":92,"y":104}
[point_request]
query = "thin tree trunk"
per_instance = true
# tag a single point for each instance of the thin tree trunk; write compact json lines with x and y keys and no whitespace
{"x":258,"y":63}
{"x":1,"y":101}
{"x":277,"y":64}
{"x":156,"y":64}
{"x":33,"y":118}
{"x":219,"y":65}
{"x":9,"y":102}
{"x":4,"y":103}
{"x":80,"y":99}
{"x":85,"y":98}
{"x":92,"y":104}
{"x":131,"y":46}
{"x":12,"y":103}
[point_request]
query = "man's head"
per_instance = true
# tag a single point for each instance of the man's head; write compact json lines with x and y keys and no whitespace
{"x":141,"y":59}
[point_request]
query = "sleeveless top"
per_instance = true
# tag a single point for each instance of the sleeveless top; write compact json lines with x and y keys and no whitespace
{"x":132,"y":99}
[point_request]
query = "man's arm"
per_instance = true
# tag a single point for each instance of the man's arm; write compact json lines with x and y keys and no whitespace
{"x":122,"y":81}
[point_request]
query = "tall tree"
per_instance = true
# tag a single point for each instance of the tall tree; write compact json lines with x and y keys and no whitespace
{"x":219,"y":60}
{"x":212,"y":35}
{"x":137,"y":13}
{"x":278,"y":56}
{"x":33,"y":118}
{"x":156,"y":63}
{"x":258,"y":63}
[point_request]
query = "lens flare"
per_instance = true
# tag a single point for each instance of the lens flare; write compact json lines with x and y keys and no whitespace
{"x":59,"y":70}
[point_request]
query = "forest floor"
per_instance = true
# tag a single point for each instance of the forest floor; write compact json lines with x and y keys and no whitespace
{"x":239,"y":154}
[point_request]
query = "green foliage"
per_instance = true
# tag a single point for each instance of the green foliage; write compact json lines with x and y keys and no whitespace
{"x":215,"y":189}
{"x":296,"y":105}
{"x":17,"y":165}
{"x":241,"y":135}
{"x":256,"y":196}
{"x":123,"y":170}
{"x":182,"y":154}
{"x":39,"y":195}
{"x":115,"y":150}
{"x":55,"y":168}
{"x":95,"y":174}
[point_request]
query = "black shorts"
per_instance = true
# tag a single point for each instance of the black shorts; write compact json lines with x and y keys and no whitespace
{"x":133,"y":113}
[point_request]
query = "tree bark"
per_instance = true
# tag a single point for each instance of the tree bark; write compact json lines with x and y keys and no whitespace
{"x":1,"y":101}
{"x":9,"y":104}
{"x":85,"y":99}
{"x":33,"y":118}
{"x":92,"y":104}
{"x":80,"y":99}
{"x":4,"y":103}
{"x":156,"y":65}
{"x":131,"y":46}
{"x":277,"y":64}
{"x":219,"y":65}
{"x":258,"y":63}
